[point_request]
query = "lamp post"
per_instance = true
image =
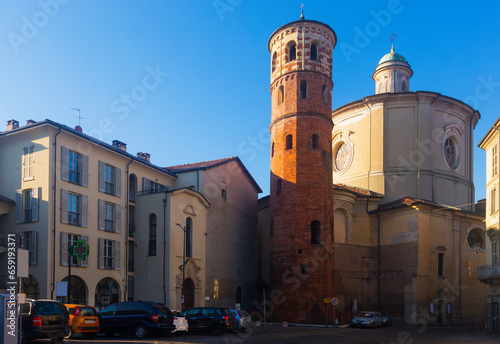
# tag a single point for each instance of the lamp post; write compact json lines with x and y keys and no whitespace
{"x":183,"y":265}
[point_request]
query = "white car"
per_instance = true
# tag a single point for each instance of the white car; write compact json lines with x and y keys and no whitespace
{"x":180,"y":322}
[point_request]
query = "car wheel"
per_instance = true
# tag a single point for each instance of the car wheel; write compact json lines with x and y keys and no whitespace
{"x":217,"y":330}
{"x":141,"y":331}
{"x":71,"y":334}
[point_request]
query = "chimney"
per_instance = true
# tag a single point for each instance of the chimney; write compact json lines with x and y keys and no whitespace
{"x":119,"y":144}
{"x":144,"y":156}
{"x":30,"y":121}
{"x":12,"y":124}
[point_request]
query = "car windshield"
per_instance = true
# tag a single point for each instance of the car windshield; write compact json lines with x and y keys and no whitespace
{"x":367,"y":315}
{"x":87,"y":311}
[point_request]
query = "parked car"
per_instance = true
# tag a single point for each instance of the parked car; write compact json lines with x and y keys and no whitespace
{"x":386,"y":318}
{"x":180,"y":322}
{"x":243,"y":320}
{"x":215,"y":320}
{"x":367,"y":319}
{"x":82,"y":320}
{"x":136,"y":318}
{"x":44,"y":319}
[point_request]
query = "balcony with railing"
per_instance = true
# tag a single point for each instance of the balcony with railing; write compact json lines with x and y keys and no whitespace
{"x":489,"y":273}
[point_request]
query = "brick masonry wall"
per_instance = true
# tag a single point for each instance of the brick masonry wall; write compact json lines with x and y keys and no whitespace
{"x":302,"y":273}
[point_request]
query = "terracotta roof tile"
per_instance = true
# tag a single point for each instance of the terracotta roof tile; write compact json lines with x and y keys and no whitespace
{"x":356,"y":190}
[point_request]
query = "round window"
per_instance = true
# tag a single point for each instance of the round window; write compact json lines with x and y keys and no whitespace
{"x":342,"y":157}
{"x":450,"y":151}
{"x":475,"y":240}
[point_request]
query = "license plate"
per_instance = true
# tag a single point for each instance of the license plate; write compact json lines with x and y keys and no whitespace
{"x":87,"y":321}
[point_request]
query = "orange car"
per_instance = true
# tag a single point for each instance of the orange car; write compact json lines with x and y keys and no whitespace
{"x":83,"y":320}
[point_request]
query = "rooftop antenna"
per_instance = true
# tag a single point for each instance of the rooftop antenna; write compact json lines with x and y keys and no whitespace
{"x":79,"y":115}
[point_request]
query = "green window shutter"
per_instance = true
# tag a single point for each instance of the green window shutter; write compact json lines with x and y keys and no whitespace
{"x":85,"y":211}
{"x":19,"y":206}
{"x":101,"y":176}
{"x":118,"y":182}
{"x":118,"y":218}
{"x":100,"y":205}
{"x":64,"y":249}
{"x":35,"y":195}
{"x":116,"y":249}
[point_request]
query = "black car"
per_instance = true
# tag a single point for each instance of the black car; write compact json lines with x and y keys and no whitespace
{"x":215,"y":320}
{"x":136,"y":318}
{"x":44,"y":319}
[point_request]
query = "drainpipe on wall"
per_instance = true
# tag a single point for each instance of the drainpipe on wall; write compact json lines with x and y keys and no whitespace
{"x":127,"y":228}
{"x":54,"y":219}
{"x":370,"y":155}
{"x":164,"y":247}
{"x":378,"y":259}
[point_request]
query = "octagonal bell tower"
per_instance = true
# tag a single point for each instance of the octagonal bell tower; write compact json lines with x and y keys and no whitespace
{"x":301,"y":195}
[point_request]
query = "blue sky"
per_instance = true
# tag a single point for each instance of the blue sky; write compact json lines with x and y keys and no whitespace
{"x":188,"y":81}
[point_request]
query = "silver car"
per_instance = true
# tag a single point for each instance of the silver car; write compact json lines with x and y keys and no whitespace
{"x":243,"y":320}
{"x":367,"y":319}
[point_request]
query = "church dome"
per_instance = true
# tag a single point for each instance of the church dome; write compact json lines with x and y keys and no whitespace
{"x":392,"y":56}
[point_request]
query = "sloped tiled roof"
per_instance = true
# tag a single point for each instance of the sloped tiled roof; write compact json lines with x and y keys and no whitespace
{"x":411,"y":201}
{"x":358,"y":191}
{"x":205,"y":165}
{"x":6,"y":200}
{"x":91,"y":139}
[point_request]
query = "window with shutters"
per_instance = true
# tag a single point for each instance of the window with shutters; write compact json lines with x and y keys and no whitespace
{"x":109,"y":222}
{"x":110,"y":179}
{"x":28,"y":242}
{"x":494,"y":161}
{"x":28,"y":163}
{"x":494,"y":251}
{"x":109,"y":216}
{"x":27,"y":205}
{"x":74,"y":208}
{"x":494,"y":200}
{"x":74,"y":167}
{"x":67,"y":241}
{"x":109,"y":254}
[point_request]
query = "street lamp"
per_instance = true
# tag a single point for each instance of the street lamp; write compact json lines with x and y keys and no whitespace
{"x":183,"y":264}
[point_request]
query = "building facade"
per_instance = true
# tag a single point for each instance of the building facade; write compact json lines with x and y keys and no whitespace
{"x":490,"y":272}
{"x":231,"y":229}
{"x":406,"y":233}
{"x":69,"y":187}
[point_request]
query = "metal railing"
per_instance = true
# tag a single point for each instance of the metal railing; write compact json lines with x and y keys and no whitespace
{"x":488,"y":272}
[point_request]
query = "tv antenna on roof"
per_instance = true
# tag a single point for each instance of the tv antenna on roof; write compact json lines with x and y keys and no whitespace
{"x":79,"y":115}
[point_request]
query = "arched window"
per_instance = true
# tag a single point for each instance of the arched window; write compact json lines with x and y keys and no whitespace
{"x":152,"y":235}
{"x":315,"y":141}
{"x":278,"y":187}
{"x":289,"y":142}
{"x":324,"y":94}
{"x":238,"y":295}
{"x":315,"y":232}
{"x":292,"y":48}
{"x":274,"y":62}
{"x":189,"y":237}
{"x":314,"y":52}
{"x":303,"y":89}
{"x":281,"y":95}
{"x":272,"y":150}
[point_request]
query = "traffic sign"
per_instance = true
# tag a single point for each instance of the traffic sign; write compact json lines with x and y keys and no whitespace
{"x":335,"y":301}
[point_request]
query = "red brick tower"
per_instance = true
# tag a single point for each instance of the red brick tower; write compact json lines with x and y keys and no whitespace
{"x":301,"y":195}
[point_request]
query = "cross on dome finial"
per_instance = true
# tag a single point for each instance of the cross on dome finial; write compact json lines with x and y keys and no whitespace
{"x":392,"y":39}
{"x":302,"y":12}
